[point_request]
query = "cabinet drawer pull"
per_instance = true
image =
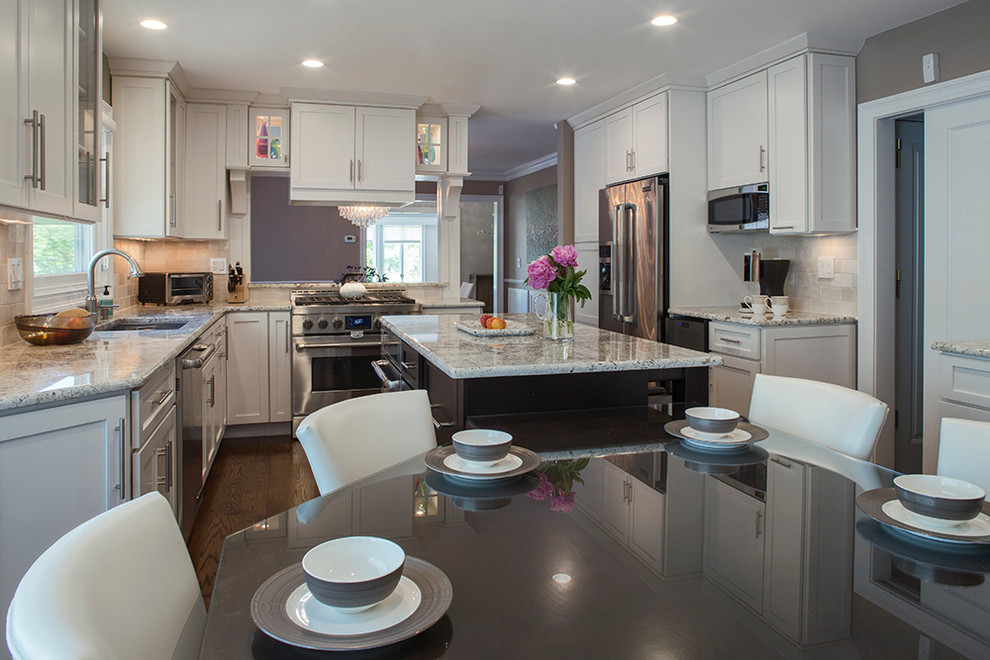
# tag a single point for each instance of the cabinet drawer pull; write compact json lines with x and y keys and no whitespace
{"x":785,"y":227}
{"x":123,"y":457}
{"x":441,"y":425}
{"x":729,"y":340}
{"x":163,"y":397}
{"x":780,"y":461}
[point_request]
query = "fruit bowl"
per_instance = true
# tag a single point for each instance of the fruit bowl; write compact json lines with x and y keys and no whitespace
{"x":69,"y":327}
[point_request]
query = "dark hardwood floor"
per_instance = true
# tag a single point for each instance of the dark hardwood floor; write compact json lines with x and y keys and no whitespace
{"x":251,"y":479}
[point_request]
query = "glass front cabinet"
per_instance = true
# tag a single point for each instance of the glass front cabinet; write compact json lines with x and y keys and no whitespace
{"x":91,"y":166}
{"x":431,"y":144}
{"x":269,"y":133}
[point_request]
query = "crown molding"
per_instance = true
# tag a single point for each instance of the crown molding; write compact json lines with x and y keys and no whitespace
{"x":351,"y":98}
{"x":532,"y":166}
{"x":803,"y":43}
{"x":663,"y":82}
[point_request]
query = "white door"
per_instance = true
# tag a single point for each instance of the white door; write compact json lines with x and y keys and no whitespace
{"x":322,"y":144}
{"x":646,"y":524}
{"x":385,"y":149}
{"x":247,"y":368}
{"x":15,"y":162}
{"x":205,"y":171}
{"x":279,"y":368}
{"x":615,"y":503}
{"x":957,"y":168}
{"x":589,"y":178}
{"x":788,"y":145}
{"x":618,"y":146}
{"x":734,"y":524}
{"x":650,"y":125}
{"x":139,"y":163}
{"x":737,"y":133}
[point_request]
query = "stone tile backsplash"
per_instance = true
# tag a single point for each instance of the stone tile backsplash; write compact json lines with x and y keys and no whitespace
{"x":809,"y":293}
{"x":159,"y":256}
{"x":14,"y":239}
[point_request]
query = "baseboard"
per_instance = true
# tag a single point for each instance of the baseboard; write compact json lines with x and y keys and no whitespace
{"x":258,"y":430}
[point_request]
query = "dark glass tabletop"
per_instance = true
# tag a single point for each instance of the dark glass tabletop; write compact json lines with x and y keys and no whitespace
{"x":662,"y":551}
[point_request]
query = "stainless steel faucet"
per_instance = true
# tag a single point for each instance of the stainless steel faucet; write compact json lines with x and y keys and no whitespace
{"x":91,"y":303}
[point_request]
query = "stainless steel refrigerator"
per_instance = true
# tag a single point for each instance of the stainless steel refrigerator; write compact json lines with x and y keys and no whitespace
{"x":633,"y":282}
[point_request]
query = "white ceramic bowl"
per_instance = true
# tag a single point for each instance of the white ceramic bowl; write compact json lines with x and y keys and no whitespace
{"x":712,"y":420}
{"x":482,"y":446}
{"x":943,"y":498}
{"x":353,"y":573}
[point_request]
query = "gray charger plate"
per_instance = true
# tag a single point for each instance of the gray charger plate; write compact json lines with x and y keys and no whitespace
{"x":716,"y":462}
{"x":434,"y":461}
{"x":871,"y":501}
{"x":756,"y":434}
{"x":268,"y":610}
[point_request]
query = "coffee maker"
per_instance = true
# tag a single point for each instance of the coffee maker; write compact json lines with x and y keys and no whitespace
{"x":770,"y":273}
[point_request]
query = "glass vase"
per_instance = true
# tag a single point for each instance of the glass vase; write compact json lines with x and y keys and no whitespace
{"x":558,"y":317}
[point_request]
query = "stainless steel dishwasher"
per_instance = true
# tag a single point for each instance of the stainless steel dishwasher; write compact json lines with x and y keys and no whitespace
{"x":194,"y":386}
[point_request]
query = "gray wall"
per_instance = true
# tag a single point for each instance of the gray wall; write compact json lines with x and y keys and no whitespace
{"x":297,"y":243}
{"x":515,"y":218}
{"x":890,"y":62}
{"x":477,"y":239}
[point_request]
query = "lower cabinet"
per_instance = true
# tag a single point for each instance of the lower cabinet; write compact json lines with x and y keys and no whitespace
{"x":963,"y":390}
{"x":154,"y":464}
{"x":734,"y":539}
{"x":59,"y":467}
{"x":259,"y":371}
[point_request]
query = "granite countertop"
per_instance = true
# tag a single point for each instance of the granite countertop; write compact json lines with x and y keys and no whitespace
{"x":733,"y":315}
{"x":463,"y":302}
{"x":461,"y":355}
{"x":971,"y":347}
{"x":107,"y":362}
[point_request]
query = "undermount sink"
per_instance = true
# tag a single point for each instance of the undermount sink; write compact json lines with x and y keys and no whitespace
{"x":138,"y":324}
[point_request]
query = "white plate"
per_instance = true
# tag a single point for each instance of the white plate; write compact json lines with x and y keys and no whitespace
{"x":307,"y":612}
{"x":979,"y":526}
{"x":733,"y":440}
{"x":507,"y":464}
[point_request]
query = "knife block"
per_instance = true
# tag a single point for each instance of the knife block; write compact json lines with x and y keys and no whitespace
{"x":238,"y":294}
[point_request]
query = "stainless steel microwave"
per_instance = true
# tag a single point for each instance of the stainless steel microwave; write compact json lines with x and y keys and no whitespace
{"x":739,"y":209}
{"x":175,"y":288}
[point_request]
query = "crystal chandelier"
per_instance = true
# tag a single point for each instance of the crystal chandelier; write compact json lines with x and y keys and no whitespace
{"x":363,"y":216}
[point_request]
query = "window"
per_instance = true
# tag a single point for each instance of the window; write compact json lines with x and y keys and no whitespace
{"x":404,"y":246}
{"x":61,"y":250}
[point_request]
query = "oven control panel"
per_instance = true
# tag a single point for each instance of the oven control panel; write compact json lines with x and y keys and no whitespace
{"x":328,"y":324}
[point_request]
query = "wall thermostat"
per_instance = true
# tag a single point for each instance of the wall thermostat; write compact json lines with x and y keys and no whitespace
{"x":350,"y":238}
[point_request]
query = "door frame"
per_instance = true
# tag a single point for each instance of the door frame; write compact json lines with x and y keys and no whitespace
{"x":497,"y":246}
{"x":875,"y":211}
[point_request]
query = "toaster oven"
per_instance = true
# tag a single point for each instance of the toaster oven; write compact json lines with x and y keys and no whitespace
{"x":175,"y":288}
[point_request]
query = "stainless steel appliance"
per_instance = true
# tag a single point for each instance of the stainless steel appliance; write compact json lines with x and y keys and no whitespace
{"x":740,"y":209}
{"x":633,"y":282}
{"x":335,"y":341}
{"x":175,"y":288}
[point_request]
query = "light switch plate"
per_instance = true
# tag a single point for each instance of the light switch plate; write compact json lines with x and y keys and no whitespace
{"x":218,"y":266}
{"x":826,"y":268}
{"x":15,"y":273}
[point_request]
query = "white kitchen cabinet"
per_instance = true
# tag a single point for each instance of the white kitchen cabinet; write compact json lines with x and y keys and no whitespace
{"x":589,"y":179}
{"x":737,"y":133}
{"x":636,"y":140}
{"x":615,"y":503}
{"x":259,"y":369}
{"x":235,"y":144}
{"x":154,"y":465}
{"x":352,"y":154}
{"x":214,"y":408}
{"x":825,"y":353}
{"x":90,"y":170}
{"x":38,"y":104}
{"x":59,"y":466}
{"x":205,"y":178}
{"x":268,"y":138}
{"x":812,"y":125}
{"x":431,"y":144}
{"x":148,"y":157}
{"x":733,"y":556}
{"x":588,"y":260}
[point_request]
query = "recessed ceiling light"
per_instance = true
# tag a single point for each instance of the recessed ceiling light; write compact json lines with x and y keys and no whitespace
{"x":312,"y":64}
{"x":154,"y":24}
{"x":664,"y":21}
{"x":565,"y":81}
{"x":561,"y":578}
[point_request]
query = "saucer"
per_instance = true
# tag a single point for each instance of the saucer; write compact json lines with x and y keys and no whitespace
{"x":901,"y":521}
{"x":281,"y":610}
{"x":506,"y":464}
{"x":978,"y":526}
{"x":436,"y":460}
{"x":736,"y":436}
{"x":744,"y":434}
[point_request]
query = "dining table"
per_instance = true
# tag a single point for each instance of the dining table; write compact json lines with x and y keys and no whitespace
{"x":625,"y":542}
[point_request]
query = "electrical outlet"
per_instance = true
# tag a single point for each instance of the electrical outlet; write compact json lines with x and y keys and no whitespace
{"x":218,"y":266}
{"x":826,"y":268}
{"x":15,"y":274}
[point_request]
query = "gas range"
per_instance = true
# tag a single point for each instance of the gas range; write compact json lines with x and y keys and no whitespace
{"x":326,"y":312}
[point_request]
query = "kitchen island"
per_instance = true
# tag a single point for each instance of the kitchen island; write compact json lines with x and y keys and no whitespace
{"x":470,"y":376}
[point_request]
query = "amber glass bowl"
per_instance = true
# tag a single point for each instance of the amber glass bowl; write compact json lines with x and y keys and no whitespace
{"x":45,"y":329}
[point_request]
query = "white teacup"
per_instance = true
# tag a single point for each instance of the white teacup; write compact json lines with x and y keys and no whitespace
{"x":778,"y":305}
{"x":756,"y":303}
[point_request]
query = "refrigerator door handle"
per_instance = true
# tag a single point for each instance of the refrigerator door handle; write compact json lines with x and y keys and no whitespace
{"x":628,"y":313}
{"x":617,"y":259}
{"x":623,"y":255}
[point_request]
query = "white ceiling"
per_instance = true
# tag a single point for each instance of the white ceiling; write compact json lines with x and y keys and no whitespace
{"x":502,"y":54}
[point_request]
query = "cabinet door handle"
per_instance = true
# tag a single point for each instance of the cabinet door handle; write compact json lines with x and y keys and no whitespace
{"x":762,"y":151}
{"x":352,"y":171}
{"x":123,"y":458}
{"x":171,"y":210}
{"x":360,"y":170}
{"x":784,"y":227}
{"x":34,"y":122}
{"x":168,"y":466}
{"x":441,"y":425}
{"x":106,"y":180}
{"x":286,"y":337}
{"x":42,"y":159}
{"x":162,"y":398}
{"x":219,"y":215}
{"x":213,"y":390}
{"x":759,"y":517}
{"x":780,"y":461}
{"x":632,"y":160}
{"x":729,"y":340}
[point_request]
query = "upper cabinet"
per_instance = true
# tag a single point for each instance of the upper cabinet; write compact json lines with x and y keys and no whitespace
{"x":205,"y":193}
{"x":91,"y":165}
{"x":352,"y":154}
{"x":636,"y":140}
{"x":148,"y":157}
{"x":792,"y":125}
{"x":431,"y":144}
{"x":268,"y":131}
{"x":589,"y":178}
{"x":737,"y":133}
{"x":37,"y":70}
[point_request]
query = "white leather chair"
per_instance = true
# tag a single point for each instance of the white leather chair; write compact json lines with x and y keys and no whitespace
{"x":119,"y":586}
{"x":964,"y":451}
{"x":837,"y":417}
{"x":348,"y":441}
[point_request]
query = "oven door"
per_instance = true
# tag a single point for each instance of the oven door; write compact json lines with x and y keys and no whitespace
{"x":329,"y":369}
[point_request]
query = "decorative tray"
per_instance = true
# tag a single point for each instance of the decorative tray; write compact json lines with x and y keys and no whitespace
{"x":511,"y":329}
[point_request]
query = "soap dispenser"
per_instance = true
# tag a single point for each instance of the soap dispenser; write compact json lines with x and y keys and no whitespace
{"x":105,"y":304}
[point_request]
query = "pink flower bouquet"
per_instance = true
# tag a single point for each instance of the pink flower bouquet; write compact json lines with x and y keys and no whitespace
{"x":557,"y":482}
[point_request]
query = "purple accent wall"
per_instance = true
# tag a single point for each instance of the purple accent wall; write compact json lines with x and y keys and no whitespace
{"x":297,"y":243}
